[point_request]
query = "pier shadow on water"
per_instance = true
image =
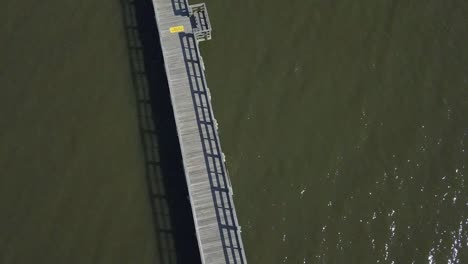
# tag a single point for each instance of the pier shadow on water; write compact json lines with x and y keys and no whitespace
{"x":172,"y":216}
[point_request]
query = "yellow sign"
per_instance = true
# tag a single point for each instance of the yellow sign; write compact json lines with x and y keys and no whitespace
{"x":176,"y":29}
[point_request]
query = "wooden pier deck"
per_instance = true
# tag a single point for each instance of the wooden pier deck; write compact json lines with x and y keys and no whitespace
{"x":181,"y":27}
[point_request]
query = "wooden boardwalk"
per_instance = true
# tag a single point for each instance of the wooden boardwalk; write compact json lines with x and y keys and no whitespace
{"x":181,"y":27}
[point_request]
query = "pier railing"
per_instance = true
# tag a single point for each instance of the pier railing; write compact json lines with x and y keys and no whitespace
{"x":200,"y":21}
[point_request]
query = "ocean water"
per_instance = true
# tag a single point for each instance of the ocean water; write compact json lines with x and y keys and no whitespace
{"x":345,"y":127}
{"x":72,"y":174}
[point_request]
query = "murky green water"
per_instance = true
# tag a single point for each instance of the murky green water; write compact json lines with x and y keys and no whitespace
{"x":345,"y":127}
{"x":72,"y":186}
{"x":343,"y":123}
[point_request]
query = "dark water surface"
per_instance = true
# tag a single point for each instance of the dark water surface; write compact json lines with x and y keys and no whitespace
{"x":72,"y":186}
{"x":343,"y":123}
{"x":90,"y":167}
{"x":345,"y":127}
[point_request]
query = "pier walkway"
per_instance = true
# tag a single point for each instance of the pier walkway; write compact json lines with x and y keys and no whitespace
{"x":181,"y":28}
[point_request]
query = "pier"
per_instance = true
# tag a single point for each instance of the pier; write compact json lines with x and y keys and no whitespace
{"x":181,"y":28}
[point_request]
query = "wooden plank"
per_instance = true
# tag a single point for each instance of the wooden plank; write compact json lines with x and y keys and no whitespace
{"x":198,"y":150}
